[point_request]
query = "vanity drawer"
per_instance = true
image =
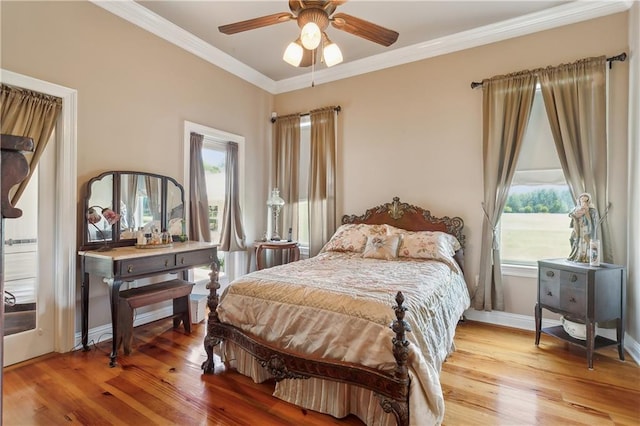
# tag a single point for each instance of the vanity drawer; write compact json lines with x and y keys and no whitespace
{"x":573,"y":292}
{"x":196,"y":258}
{"x":549,"y":287}
{"x":146,"y":265}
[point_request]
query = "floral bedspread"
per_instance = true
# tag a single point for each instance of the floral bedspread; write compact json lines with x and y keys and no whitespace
{"x":340,"y":305}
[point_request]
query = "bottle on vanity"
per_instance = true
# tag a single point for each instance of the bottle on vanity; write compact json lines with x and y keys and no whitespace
{"x":140,"y":237}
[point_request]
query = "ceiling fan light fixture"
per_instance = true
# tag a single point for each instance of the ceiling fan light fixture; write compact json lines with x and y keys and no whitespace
{"x":331,"y":52}
{"x":310,"y":35}
{"x":293,"y":53}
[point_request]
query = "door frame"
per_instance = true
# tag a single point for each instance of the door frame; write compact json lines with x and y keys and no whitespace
{"x":65,"y":278}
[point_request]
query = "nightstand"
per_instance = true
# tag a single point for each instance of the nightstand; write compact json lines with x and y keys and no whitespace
{"x":591,"y":294}
{"x":289,"y":249}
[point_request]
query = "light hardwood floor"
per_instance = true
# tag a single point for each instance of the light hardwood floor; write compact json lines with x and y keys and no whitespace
{"x":497,"y":376}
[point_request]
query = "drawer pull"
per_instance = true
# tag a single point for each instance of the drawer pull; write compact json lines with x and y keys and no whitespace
{"x":550,"y":273}
{"x":166,"y":263}
{"x":130,"y":269}
{"x":549,"y":293}
{"x":182,"y":260}
{"x":572,"y":300}
{"x":574,"y":278}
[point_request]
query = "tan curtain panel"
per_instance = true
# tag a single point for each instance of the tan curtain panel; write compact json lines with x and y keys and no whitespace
{"x":286,"y":155}
{"x":322,"y":178}
{"x":32,"y":114}
{"x":575,"y":100}
{"x":506,"y":107}
{"x":198,"y":201}
{"x":232,"y":237}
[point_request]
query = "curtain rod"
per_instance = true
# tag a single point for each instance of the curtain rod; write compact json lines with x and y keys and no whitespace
{"x":303,"y":114}
{"x":621,"y":57}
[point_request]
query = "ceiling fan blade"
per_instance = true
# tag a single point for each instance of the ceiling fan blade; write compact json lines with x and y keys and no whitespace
{"x":252,"y":24}
{"x":365,"y":29}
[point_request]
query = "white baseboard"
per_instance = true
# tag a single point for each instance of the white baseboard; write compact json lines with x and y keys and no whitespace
{"x":103,"y":332}
{"x":525,"y":322}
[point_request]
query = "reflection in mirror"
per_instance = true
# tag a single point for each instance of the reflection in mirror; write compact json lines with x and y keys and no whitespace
{"x":152,"y":206}
{"x":140,"y":204}
{"x":175,"y":209}
{"x":101,"y":197}
{"x":129,"y":217}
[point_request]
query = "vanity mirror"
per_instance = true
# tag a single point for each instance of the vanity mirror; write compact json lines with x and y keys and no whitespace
{"x":118,"y":203}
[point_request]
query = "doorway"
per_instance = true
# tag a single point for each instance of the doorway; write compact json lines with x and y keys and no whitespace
{"x":56,"y":257}
{"x":29,"y":267}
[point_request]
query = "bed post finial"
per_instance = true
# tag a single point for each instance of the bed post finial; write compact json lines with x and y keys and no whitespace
{"x":212,"y":302}
{"x":400,"y":407}
{"x":400,"y":343}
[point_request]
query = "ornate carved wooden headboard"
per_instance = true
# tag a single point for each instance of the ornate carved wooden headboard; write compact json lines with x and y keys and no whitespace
{"x":412,"y":218}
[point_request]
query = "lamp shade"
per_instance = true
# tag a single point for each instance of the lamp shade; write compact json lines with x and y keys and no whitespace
{"x":293,"y":53}
{"x":331,"y":52}
{"x":310,"y":35}
{"x":275,"y":200}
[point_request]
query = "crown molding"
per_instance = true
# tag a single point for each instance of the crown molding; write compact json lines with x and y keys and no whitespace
{"x":566,"y":14}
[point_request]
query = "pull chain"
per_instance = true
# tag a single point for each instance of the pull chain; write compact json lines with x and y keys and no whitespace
{"x":313,"y":67}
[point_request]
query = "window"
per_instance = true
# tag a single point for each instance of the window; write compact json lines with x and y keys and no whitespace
{"x":213,"y":159}
{"x":535,"y":223}
{"x":232,"y":264}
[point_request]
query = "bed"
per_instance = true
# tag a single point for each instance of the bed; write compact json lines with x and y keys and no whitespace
{"x":362,"y":328}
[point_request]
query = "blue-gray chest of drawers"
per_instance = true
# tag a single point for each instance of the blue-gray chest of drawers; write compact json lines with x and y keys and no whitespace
{"x":589,"y":294}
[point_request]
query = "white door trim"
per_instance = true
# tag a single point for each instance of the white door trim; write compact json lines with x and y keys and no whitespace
{"x":65,"y":224}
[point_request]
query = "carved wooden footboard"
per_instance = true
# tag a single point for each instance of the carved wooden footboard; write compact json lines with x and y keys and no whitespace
{"x":392,"y":388}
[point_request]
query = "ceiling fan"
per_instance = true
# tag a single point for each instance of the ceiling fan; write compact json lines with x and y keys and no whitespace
{"x":313,"y":17}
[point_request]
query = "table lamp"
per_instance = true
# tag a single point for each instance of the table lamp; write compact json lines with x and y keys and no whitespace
{"x":275,"y":203}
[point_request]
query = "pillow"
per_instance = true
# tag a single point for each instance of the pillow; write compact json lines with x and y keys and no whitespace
{"x":382,"y":247}
{"x":446,"y":239}
{"x":428,"y":245}
{"x":353,"y":237}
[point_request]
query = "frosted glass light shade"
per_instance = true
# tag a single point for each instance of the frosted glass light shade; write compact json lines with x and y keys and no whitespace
{"x":310,"y":35}
{"x":275,"y":200}
{"x":332,"y":54}
{"x":293,"y":54}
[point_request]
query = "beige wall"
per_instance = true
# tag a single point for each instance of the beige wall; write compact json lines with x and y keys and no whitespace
{"x":135,"y":91}
{"x":415,"y":131}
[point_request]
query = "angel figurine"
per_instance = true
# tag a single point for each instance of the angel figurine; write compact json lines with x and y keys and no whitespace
{"x":584,"y":221}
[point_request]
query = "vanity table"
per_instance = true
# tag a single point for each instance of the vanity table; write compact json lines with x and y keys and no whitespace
{"x":131,"y":263}
{"x":116,"y":206}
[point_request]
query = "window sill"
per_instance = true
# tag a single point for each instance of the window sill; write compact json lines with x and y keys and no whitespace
{"x":525,"y":271}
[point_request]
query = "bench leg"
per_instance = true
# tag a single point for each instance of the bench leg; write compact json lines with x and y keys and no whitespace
{"x":182,"y":308}
{"x":125,"y":326}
